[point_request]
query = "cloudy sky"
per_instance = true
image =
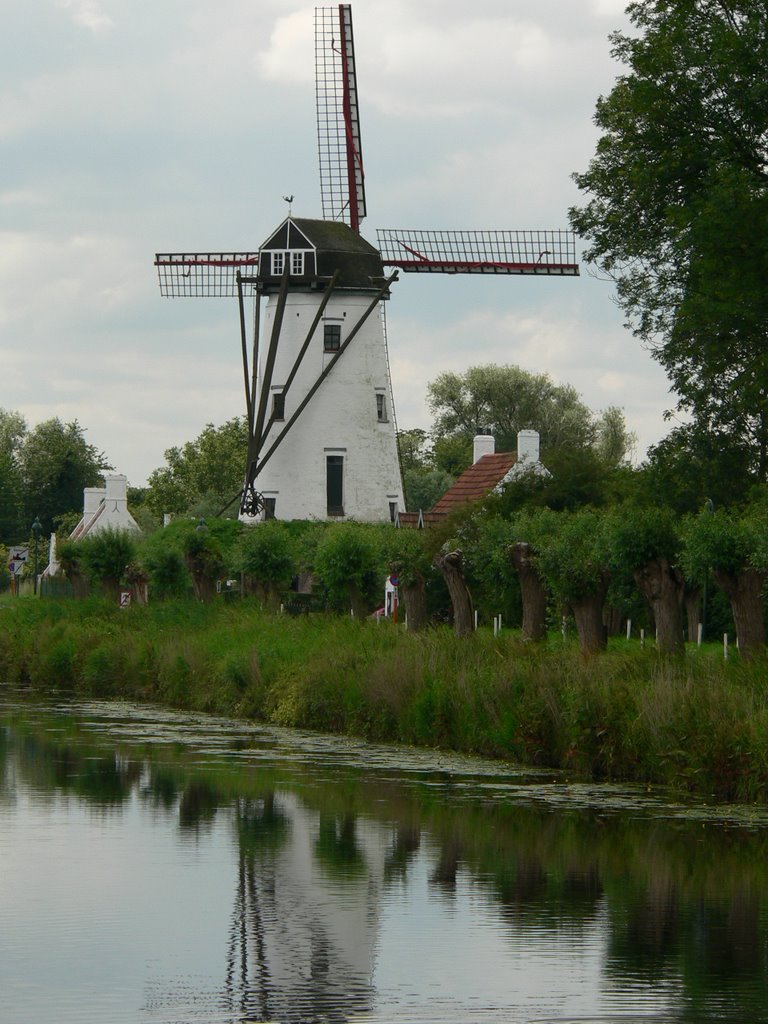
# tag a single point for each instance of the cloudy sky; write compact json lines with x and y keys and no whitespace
{"x":129,"y":127}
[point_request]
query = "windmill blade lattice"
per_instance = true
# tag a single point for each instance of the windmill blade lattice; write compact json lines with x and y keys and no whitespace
{"x":480,"y":252}
{"x":342,"y":180}
{"x":203,"y":274}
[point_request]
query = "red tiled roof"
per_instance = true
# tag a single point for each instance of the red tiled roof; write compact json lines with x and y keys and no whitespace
{"x":477,"y":481}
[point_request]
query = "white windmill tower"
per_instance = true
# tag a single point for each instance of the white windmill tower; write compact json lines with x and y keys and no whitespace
{"x":323,"y":439}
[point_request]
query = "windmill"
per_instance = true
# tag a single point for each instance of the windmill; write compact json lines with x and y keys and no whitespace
{"x":318,"y":390}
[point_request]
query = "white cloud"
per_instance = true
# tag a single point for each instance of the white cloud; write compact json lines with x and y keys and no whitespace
{"x":87,"y":14}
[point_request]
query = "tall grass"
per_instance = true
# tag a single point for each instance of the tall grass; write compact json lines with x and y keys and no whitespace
{"x":696,"y":723}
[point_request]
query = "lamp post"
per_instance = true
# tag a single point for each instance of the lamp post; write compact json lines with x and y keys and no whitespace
{"x":37,"y":529}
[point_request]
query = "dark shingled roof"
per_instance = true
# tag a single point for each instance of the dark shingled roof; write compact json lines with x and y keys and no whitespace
{"x":479,"y":480}
{"x":337,"y":246}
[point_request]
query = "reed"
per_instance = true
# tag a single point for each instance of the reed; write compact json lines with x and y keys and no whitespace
{"x":694,"y":722}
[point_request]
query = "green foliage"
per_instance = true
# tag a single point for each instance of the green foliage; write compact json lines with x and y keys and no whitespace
{"x":424,"y":487}
{"x":350,"y":558}
{"x":503,"y":400}
{"x":56,"y":464}
{"x":490,"y":573}
{"x":5,"y":576}
{"x":407,"y":550}
{"x":267,"y":552}
{"x":725,"y":541}
{"x":637,"y":536}
{"x":695,"y":464}
{"x":203,"y":475}
{"x":677,"y":213}
{"x":105,"y":556}
{"x":699,"y":724}
{"x":574,"y":556}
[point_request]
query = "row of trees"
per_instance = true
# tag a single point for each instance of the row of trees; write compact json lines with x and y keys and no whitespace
{"x":532,"y":566}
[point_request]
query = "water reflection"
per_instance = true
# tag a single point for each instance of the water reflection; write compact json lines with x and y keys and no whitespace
{"x":350,"y":886}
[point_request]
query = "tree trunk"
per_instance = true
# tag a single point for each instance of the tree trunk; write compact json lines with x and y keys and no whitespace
{"x":588,"y":613}
{"x":692,"y":601}
{"x":662,"y":585}
{"x":612,"y":620}
{"x":451,"y":565}
{"x":744,"y":590}
{"x":532,"y":590}
{"x":357,"y":601}
{"x":203,"y":586}
{"x":414,"y":597}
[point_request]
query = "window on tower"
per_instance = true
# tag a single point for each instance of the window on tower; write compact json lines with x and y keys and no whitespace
{"x":381,"y":407}
{"x":278,"y":405}
{"x":331,"y":337}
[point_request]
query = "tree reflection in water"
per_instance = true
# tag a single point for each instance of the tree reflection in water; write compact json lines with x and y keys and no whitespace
{"x":682,"y":904}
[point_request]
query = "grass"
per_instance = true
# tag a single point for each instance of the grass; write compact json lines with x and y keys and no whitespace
{"x":697,"y":723}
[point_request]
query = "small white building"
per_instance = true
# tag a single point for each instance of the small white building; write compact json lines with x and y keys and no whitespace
{"x":105,"y":508}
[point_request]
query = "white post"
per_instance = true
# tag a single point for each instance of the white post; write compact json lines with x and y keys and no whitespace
{"x":629,"y":628}
{"x":725,"y":646}
{"x":700,"y":634}
{"x":475,"y":618}
{"x":282,"y":608}
{"x":499,"y":621}
{"x":642,"y":638}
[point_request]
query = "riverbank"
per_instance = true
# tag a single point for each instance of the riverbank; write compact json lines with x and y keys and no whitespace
{"x":697,"y":723}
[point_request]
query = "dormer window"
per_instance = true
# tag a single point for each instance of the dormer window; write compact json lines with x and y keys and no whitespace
{"x":297,"y":263}
{"x":278,"y":264}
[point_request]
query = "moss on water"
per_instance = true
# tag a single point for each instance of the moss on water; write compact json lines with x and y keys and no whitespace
{"x":697,"y":723}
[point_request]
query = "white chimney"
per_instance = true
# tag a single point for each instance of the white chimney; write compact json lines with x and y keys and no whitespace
{"x":528,"y":446}
{"x":483,"y":444}
{"x":116,"y":491}
{"x":91,"y":500}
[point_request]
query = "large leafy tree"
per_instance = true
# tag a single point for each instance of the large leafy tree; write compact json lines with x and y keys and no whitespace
{"x":203,"y":475}
{"x":677,"y":213}
{"x":55,"y":463}
{"x":502,"y":400}
{"x":505,"y":399}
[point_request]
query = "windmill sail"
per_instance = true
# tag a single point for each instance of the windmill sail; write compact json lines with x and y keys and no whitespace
{"x":342,"y":180}
{"x":480,"y":252}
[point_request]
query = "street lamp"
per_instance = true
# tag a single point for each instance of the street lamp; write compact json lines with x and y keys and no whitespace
{"x":37,"y":529}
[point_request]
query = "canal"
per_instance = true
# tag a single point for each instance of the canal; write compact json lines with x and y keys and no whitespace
{"x":170,"y":868}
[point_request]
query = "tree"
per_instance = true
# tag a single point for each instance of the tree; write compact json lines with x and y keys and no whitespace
{"x":735,"y":548}
{"x":451,"y":564}
{"x":678,"y":209}
{"x":693,"y":464}
{"x":574,"y":562}
{"x":503,"y":400}
{"x":266,"y":555}
{"x":202,"y":475}
{"x":105,"y":557}
{"x":410,"y":561}
{"x":55,"y":464}
{"x":647,"y":542}
{"x":349,"y":562}
{"x":12,"y":527}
